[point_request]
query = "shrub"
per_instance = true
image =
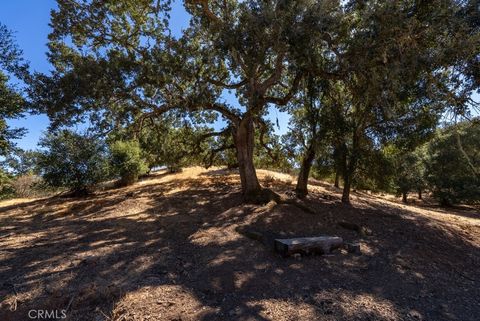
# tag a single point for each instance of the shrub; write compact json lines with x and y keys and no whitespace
{"x":26,"y":185}
{"x":73,"y":160}
{"x":127,"y":162}
{"x":269,"y":180}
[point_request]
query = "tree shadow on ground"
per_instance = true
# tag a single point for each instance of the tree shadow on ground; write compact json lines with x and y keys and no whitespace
{"x":171,"y":251}
{"x":467,"y":211}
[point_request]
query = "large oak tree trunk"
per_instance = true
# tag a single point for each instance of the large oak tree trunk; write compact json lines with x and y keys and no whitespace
{"x":244,"y":143}
{"x":302,"y":183}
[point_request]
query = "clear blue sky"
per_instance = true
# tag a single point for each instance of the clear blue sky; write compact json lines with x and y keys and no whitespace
{"x":29,"y":20}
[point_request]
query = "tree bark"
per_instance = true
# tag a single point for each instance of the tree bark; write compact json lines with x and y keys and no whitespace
{"x":302,"y":183}
{"x":244,"y":143}
{"x":349,"y":164}
{"x":419,"y":194}
{"x":347,"y":184}
{"x":404,"y":197}
{"x":337,"y":178}
{"x":347,"y":172}
{"x":338,"y":162}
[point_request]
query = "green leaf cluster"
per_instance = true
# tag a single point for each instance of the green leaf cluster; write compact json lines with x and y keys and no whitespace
{"x":71,"y":160}
{"x":127,"y":161}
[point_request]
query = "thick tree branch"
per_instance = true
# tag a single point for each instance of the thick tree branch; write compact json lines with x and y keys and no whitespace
{"x":228,"y":86}
{"x":157,"y":110}
{"x":220,"y":108}
{"x":224,"y":132}
{"x":275,"y":76}
{"x":285,"y":99}
{"x":196,"y":149}
{"x":215,"y":151}
{"x":263,"y":130}
{"x":205,"y":9}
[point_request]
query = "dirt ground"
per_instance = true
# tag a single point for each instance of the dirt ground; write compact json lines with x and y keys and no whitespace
{"x":169,"y":248}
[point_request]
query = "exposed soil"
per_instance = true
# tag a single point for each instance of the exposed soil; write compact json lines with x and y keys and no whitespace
{"x":169,"y":248}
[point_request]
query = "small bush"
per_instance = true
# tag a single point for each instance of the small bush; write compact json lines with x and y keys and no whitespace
{"x":26,"y":185}
{"x":127,"y":161}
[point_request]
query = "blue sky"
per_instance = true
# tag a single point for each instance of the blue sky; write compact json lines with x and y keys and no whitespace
{"x":29,"y":20}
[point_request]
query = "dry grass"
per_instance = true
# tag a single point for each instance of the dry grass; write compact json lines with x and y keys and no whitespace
{"x":167,"y":248}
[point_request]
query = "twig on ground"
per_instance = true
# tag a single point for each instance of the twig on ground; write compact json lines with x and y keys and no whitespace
{"x":70,"y":302}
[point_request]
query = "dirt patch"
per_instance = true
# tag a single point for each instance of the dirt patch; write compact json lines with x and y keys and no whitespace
{"x":169,"y":248}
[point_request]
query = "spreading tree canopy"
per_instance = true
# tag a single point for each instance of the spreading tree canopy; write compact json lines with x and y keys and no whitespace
{"x":117,"y":63}
{"x":395,"y":68}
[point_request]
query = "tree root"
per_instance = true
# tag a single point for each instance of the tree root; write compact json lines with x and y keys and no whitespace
{"x":271,"y":199}
{"x":296,"y":203}
{"x":362,"y":231}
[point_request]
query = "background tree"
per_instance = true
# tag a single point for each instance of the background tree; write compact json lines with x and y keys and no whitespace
{"x":21,"y":161}
{"x":12,"y":103}
{"x":408,"y":171}
{"x":391,"y":69}
{"x":22,"y":168}
{"x":6,"y":188}
{"x":72,"y":160}
{"x":175,"y":142}
{"x":307,"y":130}
{"x":453,"y":177}
{"x":271,"y":154}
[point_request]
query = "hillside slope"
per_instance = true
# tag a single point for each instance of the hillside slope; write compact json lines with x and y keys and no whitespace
{"x":169,"y":248}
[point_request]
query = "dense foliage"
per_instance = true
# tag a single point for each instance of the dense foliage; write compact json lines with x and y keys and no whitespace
{"x":365,"y":83}
{"x":174,"y":144}
{"x":453,"y":164}
{"x":127,"y":161}
{"x":12,"y":103}
{"x":75,"y":161}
